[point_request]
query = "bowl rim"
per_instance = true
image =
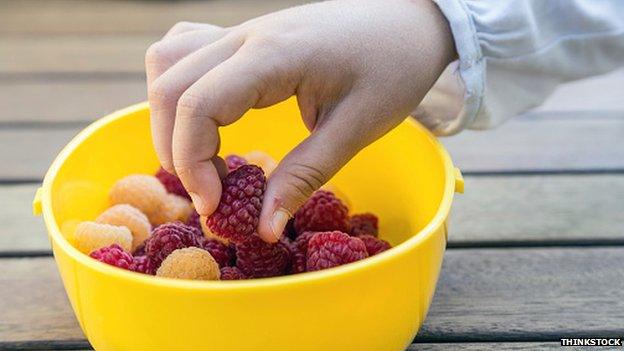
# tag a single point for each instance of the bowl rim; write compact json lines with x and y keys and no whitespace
{"x":58,"y":239}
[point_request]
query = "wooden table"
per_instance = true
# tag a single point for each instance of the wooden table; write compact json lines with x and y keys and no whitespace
{"x":536,"y":243}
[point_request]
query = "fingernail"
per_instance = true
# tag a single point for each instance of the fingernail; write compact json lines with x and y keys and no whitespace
{"x":197,"y":201}
{"x":278,"y":222}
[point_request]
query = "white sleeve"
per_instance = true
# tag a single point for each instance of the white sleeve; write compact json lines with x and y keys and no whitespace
{"x":514,"y":53}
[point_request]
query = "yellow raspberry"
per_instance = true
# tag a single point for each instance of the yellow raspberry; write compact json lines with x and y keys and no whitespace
{"x":144,"y":192}
{"x":262,"y":160}
{"x":175,"y":208}
{"x":130,"y":217}
{"x":209,"y":234}
{"x":189,"y":263}
{"x":90,"y":236}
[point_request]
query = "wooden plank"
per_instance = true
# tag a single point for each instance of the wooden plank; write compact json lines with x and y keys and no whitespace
{"x":21,"y":232}
{"x":520,"y":145}
{"x":496,"y":294}
{"x":85,"y":98}
{"x":83,"y":54}
{"x":101,"y":16}
{"x":494,"y":211}
{"x":27,"y":153}
{"x":72,"y":101}
{"x":539,"y":208}
{"x":34,"y":305}
{"x":541,"y":144}
{"x":526,"y":294}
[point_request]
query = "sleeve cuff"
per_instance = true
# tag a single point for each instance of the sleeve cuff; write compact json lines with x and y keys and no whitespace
{"x":471,"y":66}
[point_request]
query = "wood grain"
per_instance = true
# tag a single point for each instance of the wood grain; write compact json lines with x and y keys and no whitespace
{"x":81,"y":100}
{"x":29,"y":152}
{"x":21,"y":231}
{"x":86,"y":97}
{"x":541,"y":144}
{"x":525,"y":209}
{"x":494,"y":210}
{"x":49,"y":17}
{"x":95,"y":53}
{"x":33,"y":304}
{"x":524,"y":294}
{"x":495,"y":294}
{"x":520,"y":145}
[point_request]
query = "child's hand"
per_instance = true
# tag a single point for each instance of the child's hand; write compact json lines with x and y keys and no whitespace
{"x":357,"y":67}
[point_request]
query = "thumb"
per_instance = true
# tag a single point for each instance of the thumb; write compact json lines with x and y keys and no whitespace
{"x":307,"y":167}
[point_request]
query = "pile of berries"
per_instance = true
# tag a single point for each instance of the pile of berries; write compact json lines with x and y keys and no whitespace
{"x":152,"y":228}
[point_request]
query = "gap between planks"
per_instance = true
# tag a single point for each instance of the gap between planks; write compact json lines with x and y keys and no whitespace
{"x":482,"y":296}
{"x":541,"y":145}
{"x":523,"y":211}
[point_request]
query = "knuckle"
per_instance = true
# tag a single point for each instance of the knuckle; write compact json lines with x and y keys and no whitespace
{"x":268,"y":41}
{"x":156,"y":55}
{"x":160,"y":92}
{"x":191,"y":105}
{"x":183,"y":165}
{"x":305,"y":179}
{"x":181,"y":27}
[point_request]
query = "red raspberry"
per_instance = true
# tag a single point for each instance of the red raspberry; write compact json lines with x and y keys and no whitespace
{"x":193,"y":220}
{"x":258,"y":259}
{"x":232,"y":273}
{"x":169,"y":237}
{"x":236,"y":217}
{"x":322,"y":212}
{"x":365,"y":223}
{"x":299,"y":251}
{"x":113,"y":255}
{"x":374,"y":245}
{"x":331,"y":249}
{"x":141,"y":264}
{"x":172,"y":183}
{"x":234,"y":161}
{"x":222,"y":253}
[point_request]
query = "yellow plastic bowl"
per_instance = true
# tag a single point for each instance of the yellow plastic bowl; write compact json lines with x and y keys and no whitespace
{"x":376,"y":304}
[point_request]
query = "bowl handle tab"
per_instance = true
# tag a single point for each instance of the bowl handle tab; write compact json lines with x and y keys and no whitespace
{"x":459,"y":181}
{"x":36,"y":204}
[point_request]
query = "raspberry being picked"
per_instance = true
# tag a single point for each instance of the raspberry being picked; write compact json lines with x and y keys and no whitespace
{"x":262,"y":160}
{"x":234,"y":161}
{"x":332,"y":249}
{"x":238,"y":212}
